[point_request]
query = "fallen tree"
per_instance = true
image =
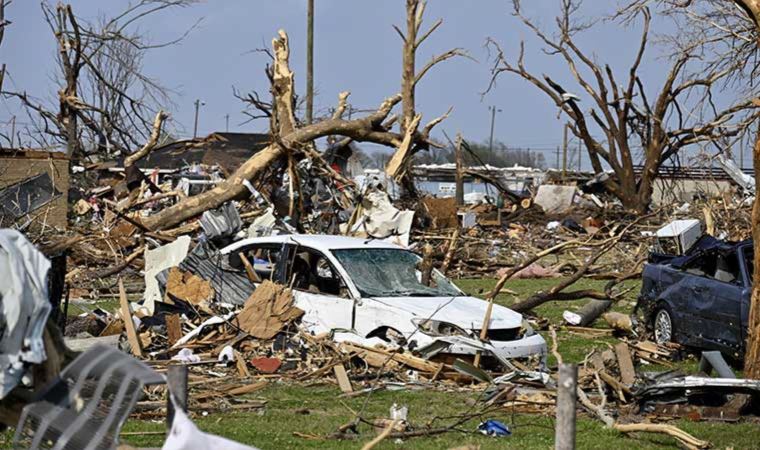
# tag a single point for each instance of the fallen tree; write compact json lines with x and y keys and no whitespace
{"x":292,"y":140}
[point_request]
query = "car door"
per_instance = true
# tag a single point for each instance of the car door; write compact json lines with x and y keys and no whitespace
{"x":318,"y":290}
{"x":723,"y":303}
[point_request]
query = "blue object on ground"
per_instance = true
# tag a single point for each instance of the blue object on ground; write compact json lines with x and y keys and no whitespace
{"x":494,"y":428}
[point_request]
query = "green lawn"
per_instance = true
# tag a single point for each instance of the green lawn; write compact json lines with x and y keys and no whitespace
{"x":273,"y":428}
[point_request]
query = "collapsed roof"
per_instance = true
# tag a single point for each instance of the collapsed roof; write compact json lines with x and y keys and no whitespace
{"x":227,"y":150}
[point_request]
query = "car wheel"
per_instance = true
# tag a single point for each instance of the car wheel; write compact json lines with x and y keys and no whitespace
{"x":663,"y":326}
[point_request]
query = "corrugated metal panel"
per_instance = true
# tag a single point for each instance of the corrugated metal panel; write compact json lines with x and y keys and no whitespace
{"x":230,"y":285}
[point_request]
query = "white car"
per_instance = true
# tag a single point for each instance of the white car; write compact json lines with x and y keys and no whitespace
{"x":368,"y":291}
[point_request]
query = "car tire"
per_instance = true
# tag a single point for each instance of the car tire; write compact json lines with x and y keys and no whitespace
{"x":663,"y":328}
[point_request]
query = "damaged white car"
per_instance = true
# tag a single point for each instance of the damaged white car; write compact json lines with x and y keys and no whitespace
{"x":369,"y":290}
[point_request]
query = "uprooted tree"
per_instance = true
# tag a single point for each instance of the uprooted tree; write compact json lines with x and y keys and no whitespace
{"x":105,"y":105}
{"x":293,"y":141}
{"x":682,"y":113}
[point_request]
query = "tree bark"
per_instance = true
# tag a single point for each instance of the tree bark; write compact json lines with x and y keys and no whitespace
{"x":752,"y":355}
{"x":155,"y":135}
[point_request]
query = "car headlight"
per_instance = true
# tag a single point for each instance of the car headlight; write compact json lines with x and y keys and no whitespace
{"x":438,"y":328}
{"x":526,"y":329}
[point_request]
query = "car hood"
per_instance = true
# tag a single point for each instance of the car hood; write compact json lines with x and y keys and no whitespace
{"x":465,"y":312}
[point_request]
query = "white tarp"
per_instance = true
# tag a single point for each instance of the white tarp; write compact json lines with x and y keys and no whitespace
{"x":24,"y":307}
{"x":158,"y":260}
{"x":381,"y":220}
{"x":185,"y":435}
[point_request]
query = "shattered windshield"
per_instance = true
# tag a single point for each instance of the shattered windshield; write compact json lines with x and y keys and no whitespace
{"x":388,"y":272}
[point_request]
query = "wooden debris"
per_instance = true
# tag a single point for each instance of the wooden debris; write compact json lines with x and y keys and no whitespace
{"x":126,"y":315}
{"x":267,"y":311}
{"x":342,"y":377}
{"x":247,"y":389}
{"x":190,"y":288}
{"x":173,"y":328}
{"x":253,"y":277}
{"x":625,"y":363}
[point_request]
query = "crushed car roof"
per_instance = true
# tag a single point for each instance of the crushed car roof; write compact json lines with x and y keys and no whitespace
{"x":320,"y":242}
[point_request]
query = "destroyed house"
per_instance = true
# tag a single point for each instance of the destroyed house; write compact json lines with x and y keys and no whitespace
{"x":227,"y":151}
{"x":193,"y":165}
{"x":686,"y":184}
{"x":34,"y":187}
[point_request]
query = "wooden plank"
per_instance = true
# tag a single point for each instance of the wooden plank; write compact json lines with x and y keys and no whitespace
{"x":625,"y":363}
{"x":253,"y":277}
{"x":126,"y":315}
{"x":248,"y":388}
{"x":242,"y":367}
{"x":342,"y":377}
{"x":173,"y":328}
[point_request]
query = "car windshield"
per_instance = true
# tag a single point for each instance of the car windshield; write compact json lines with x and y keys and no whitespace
{"x":388,"y":272}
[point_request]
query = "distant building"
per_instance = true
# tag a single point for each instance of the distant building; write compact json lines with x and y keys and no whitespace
{"x":440,"y":179}
{"x":34,"y":186}
{"x":685,"y":184}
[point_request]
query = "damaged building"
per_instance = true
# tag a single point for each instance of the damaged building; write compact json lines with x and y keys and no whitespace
{"x":34,"y":186}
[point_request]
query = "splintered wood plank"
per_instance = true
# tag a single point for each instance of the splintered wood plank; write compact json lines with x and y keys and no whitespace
{"x":342,"y":377}
{"x":173,"y":328}
{"x":126,"y":315}
{"x":625,"y":363}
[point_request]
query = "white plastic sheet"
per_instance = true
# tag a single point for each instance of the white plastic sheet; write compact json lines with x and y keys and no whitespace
{"x":24,"y":307}
{"x":185,"y":435}
{"x":158,"y":260}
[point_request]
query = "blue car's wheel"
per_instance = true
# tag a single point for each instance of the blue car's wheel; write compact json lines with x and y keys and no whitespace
{"x":663,"y":326}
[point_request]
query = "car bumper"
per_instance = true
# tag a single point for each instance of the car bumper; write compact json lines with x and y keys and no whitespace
{"x":529,"y":346}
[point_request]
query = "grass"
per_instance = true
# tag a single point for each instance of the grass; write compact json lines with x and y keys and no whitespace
{"x":273,"y":428}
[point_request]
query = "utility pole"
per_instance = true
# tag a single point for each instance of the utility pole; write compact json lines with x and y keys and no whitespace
{"x":564,"y":152}
{"x":198,"y":104}
{"x":493,"y":121}
{"x":310,"y":62}
{"x":557,"y":155}
{"x":227,"y":122}
{"x":459,"y":175}
{"x":580,"y":155}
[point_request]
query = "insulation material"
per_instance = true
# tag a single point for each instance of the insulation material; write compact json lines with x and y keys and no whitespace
{"x":24,"y":307}
{"x":158,"y":260}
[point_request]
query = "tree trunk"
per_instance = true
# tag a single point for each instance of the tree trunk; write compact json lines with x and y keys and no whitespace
{"x":752,"y":355}
{"x":408,"y":64}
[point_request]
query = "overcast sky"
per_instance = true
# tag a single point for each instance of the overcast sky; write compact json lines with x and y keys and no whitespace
{"x":356,"y":49}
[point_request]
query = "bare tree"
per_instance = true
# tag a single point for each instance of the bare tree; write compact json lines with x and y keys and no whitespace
{"x":728,"y":32}
{"x":412,"y":39}
{"x":681,"y":114}
{"x":104,"y":99}
{"x":3,"y":24}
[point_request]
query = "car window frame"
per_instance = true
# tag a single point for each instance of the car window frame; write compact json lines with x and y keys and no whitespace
{"x":293,"y":249}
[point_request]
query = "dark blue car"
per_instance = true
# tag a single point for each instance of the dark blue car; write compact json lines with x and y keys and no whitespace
{"x":700,"y":299}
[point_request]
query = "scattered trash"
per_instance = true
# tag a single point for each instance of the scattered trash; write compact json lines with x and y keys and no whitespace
{"x":186,"y":356}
